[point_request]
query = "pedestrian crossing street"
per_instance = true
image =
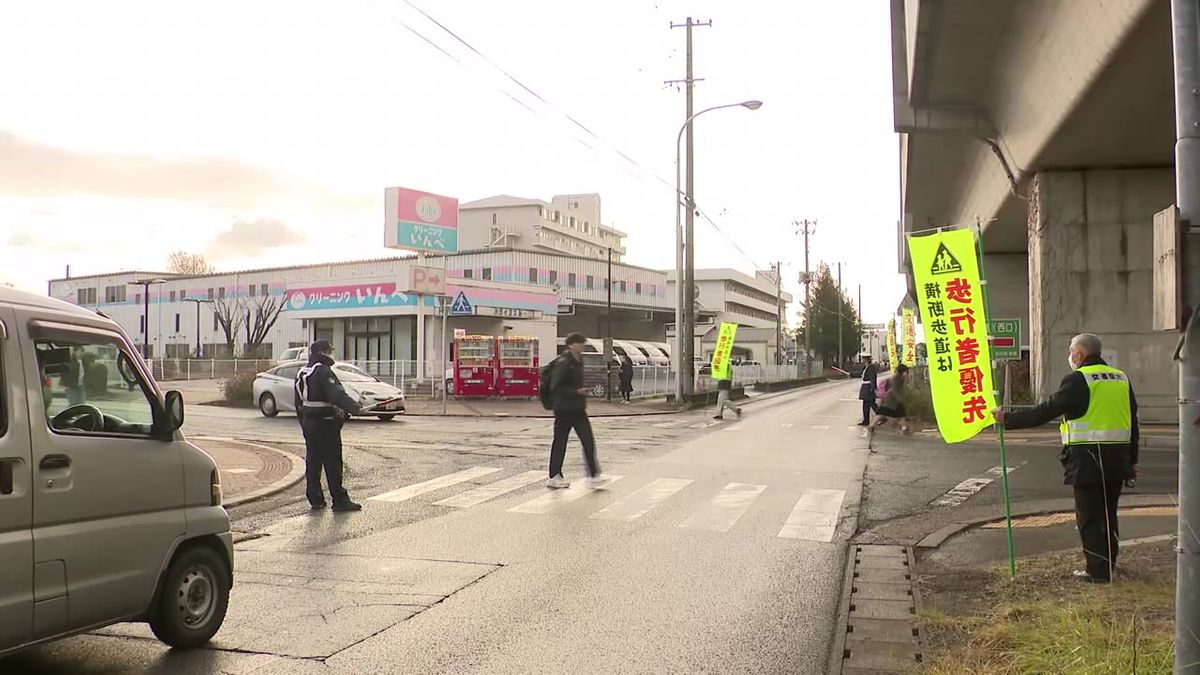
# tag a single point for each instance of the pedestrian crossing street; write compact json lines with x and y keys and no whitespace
{"x":813,"y":517}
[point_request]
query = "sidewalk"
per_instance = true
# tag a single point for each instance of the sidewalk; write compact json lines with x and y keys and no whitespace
{"x":250,"y":471}
{"x":1155,"y":435}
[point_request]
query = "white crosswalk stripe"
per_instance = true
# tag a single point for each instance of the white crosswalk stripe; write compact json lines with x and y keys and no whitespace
{"x":410,"y":491}
{"x":667,"y":425}
{"x":486,"y":492}
{"x":726,"y":508}
{"x":555,"y":499}
{"x":640,"y":503}
{"x":815,"y":516}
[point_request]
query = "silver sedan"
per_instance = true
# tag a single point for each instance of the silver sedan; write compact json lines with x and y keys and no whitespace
{"x":274,"y":390}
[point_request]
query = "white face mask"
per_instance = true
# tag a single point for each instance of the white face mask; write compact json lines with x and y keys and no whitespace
{"x":1071,"y":361}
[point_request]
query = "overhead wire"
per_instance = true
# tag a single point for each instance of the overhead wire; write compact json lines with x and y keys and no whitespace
{"x":575,"y":122}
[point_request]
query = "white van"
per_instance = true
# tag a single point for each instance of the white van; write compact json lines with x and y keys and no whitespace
{"x":107,"y":514}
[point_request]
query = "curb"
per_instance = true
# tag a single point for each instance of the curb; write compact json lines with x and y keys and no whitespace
{"x":938,"y":537}
{"x":294,"y":476}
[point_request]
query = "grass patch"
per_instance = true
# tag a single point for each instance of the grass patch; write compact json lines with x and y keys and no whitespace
{"x":1045,"y":622}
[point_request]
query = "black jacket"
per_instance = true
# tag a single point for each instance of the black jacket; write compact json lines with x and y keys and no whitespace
{"x":871,"y":378}
{"x":627,"y":376}
{"x":322,"y":384}
{"x":1082,"y":464}
{"x":566,"y":379}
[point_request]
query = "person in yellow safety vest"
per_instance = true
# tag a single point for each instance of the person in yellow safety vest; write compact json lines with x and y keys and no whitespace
{"x":1100,"y":447}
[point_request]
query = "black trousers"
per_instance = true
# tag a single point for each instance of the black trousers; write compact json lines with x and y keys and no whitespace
{"x":869,"y":405}
{"x":1096,"y":517}
{"x":564,"y":422}
{"x":323,"y":452}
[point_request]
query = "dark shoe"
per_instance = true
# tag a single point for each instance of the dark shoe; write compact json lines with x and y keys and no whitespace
{"x":863,"y":424}
{"x":347,"y":506}
{"x":739,"y":413}
{"x":718,"y":417}
{"x":317,"y":506}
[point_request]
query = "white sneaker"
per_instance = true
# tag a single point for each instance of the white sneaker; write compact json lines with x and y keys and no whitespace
{"x":558,"y":482}
{"x":597,"y":482}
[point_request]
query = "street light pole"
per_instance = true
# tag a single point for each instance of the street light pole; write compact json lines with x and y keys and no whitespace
{"x":683,"y":292}
{"x":146,"y":284}
{"x":198,"y":302}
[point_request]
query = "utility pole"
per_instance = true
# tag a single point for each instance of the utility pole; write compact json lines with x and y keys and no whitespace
{"x":806,"y":228}
{"x":1185,"y":23}
{"x":860,"y":322}
{"x":608,"y":348}
{"x":687,"y":371}
{"x":841,"y":360}
{"x":778,"y":311}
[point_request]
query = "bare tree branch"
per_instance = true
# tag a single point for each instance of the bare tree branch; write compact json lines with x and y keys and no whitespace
{"x":182,"y":262}
{"x":231,"y":316}
{"x":261,"y":318}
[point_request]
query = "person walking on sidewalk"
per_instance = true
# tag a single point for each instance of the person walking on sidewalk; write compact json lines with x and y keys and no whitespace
{"x":1100,"y":447}
{"x":866,"y":392}
{"x":724,"y":390}
{"x":626,"y":378}
{"x":893,"y":405}
{"x":322,"y":406}
{"x":569,"y":398}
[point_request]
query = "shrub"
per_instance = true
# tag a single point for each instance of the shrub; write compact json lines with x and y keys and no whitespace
{"x":239,"y":389}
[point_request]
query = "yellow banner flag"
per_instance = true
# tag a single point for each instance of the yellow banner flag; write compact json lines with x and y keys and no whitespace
{"x":720,"y":357}
{"x":951,"y":301}
{"x":908,"y":323}
{"x":891,"y":344}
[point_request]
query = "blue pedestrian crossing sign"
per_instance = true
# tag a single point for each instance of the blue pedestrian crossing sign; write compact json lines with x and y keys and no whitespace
{"x":461,"y":305}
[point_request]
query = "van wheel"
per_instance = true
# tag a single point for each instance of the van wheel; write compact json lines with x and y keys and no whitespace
{"x":386,"y":418}
{"x":192,"y":600}
{"x":267,"y":405}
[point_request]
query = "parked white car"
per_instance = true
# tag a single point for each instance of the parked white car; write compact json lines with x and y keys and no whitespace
{"x":292,"y":354}
{"x":274,"y":390}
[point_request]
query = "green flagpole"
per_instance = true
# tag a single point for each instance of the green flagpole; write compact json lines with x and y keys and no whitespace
{"x":987,"y":309}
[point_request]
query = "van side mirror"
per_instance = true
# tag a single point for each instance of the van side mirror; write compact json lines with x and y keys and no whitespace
{"x":174,"y":405}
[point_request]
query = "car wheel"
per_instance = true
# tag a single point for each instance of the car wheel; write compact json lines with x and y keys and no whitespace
{"x":193,"y":599}
{"x":267,"y":405}
{"x":386,"y":418}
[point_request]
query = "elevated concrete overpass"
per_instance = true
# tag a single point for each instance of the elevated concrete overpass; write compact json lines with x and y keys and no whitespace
{"x":1052,"y":123}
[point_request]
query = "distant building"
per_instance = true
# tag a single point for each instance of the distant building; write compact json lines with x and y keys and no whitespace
{"x":568,"y":224}
{"x":738,"y":298}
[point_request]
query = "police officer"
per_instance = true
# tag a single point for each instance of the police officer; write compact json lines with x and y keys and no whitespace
{"x":322,"y":406}
{"x":1100,"y":447}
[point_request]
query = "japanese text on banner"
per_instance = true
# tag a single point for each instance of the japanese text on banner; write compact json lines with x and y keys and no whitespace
{"x":891,"y":344}
{"x":908,"y":322}
{"x":720,"y":357}
{"x":950,"y":298}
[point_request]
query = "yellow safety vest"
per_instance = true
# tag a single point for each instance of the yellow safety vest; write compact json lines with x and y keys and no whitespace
{"x":1108,"y":418}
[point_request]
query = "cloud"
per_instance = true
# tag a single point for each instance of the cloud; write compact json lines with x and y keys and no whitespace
{"x":30,"y":169}
{"x":250,"y":238}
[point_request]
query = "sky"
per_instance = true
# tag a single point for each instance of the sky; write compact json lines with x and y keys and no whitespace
{"x":264,"y":133}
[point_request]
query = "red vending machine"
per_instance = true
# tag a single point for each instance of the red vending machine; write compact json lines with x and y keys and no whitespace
{"x":474,"y":365}
{"x":516,"y":367}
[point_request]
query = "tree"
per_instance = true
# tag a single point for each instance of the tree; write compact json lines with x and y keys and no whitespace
{"x":822,"y":315}
{"x":231,"y":316}
{"x":182,"y":262}
{"x":261,"y":316}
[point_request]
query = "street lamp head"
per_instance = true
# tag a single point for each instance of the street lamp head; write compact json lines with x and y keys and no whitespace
{"x":752,"y":105}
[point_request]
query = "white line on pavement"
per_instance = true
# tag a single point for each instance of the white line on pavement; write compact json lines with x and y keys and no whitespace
{"x":725,"y":509}
{"x":501,"y":487}
{"x":971,"y":487}
{"x":815,"y":516}
{"x":556,"y":498}
{"x":637,"y":504}
{"x":786,"y":425}
{"x":410,"y":491}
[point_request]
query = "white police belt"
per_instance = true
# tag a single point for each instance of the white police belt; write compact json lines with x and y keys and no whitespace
{"x":317,"y":404}
{"x":1079,"y":432}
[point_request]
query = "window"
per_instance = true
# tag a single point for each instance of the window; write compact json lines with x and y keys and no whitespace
{"x":221,"y":293}
{"x":264,"y":290}
{"x":174,"y":297}
{"x":570,"y":280}
{"x":114,"y":294}
{"x":286,"y":372}
{"x":533,"y":275}
{"x":176,"y":322}
{"x":85,"y":296}
{"x":487,"y":273}
{"x":606,"y":283}
{"x":137,"y":298}
{"x":96,"y":371}
{"x":591,"y":282}
{"x":468,"y":274}
{"x":637,"y":288}
{"x":210,"y":294}
{"x":495,"y":219}
{"x":251,"y":290}
{"x":215,"y":324}
{"x":553,"y":276}
{"x":622,"y":285}
{"x":142,"y":323}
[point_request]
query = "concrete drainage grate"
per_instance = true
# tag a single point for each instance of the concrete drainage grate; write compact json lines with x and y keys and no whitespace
{"x":879,"y":605}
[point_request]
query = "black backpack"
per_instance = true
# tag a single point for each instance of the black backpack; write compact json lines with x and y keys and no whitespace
{"x":544,"y":392}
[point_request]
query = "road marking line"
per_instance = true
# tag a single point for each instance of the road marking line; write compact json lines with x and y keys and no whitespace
{"x":556,"y":498}
{"x":485,"y":492}
{"x":239,"y":471}
{"x":410,"y":491}
{"x":726,"y":508}
{"x":637,"y":504}
{"x":666,"y":425}
{"x":820,"y":427}
{"x":735,"y":427}
{"x":786,"y":425}
{"x":815,"y":516}
{"x":971,"y":487}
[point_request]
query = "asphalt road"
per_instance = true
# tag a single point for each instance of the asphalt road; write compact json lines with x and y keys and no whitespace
{"x":720,"y":548}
